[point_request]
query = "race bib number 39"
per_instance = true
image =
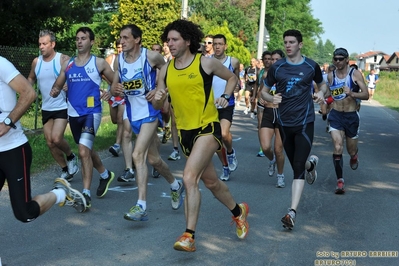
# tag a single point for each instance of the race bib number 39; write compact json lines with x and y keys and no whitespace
{"x":337,"y":92}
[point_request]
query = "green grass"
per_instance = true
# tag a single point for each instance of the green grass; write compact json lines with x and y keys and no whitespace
{"x":42,"y":158}
{"x":386,"y":93}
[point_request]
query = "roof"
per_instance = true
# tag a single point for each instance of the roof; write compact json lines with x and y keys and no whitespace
{"x":370,"y":54}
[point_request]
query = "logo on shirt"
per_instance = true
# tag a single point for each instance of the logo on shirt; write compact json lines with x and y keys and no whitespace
{"x":192,"y":76}
{"x":89,"y":70}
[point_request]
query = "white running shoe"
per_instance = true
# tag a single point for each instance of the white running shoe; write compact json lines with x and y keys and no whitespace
{"x":312,"y":175}
{"x":226,"y":174}
{"x":232,"y":161}
{"x":73,"y":167}
{"x":280,"y":181}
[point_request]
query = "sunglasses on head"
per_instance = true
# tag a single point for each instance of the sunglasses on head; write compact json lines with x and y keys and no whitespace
{"x":207,"y":42}
{"x":339,"y":59}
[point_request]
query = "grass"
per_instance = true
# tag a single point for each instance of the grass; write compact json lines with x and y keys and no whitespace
{"x":42,"y":158}
{"x":386,"y":93}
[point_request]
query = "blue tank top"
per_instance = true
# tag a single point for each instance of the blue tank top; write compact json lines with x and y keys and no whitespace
{"x":83,"y":88}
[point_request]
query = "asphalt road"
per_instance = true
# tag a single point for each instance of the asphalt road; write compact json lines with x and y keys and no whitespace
{"x":329,"y":228}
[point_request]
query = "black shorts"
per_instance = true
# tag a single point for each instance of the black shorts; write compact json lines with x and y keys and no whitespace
{"x":250,"y":87}
{"x":60,"y":114}
{"x":345,"y":121}
{"x":269,"y":118}
{"x":226,"y":113}
{"x":187,"y":138}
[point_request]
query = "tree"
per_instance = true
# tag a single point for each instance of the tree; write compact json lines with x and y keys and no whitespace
{"x":292,"y":14}
{"x":151,"y":16}
{"x":235,"y":47}
{"x":21,"y":20}
{"x":242,"y":17}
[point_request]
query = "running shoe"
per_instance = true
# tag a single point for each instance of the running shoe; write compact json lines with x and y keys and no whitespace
{"x":246,"y":110}
{"x":242,"y":226}
{"x":104,"y":184}
{"x":354,"y":162}
{"x":168,"y":132}
{"x":272,"y":167}
{"x":289,"y":220}
{"x":232,"y":160}
{"x":280,"y":181}
{"x":226,"y":174}
{"x":65,"y":175}
{"x":73,"y":197}
{"x":185,"y":242}
{"x":127,"y":176}
{"x":88,"y":201}
{"x":114,"y":150}
{"x":260,"y":154}
{"x":155,"y":173}
{"x":164,"y":138}
{"x":177,"y":196}
{"x":136,"y":213}
{"x":340,"y":186}
{"x":73,"y":167}
{"x":174,"y":156}
{"x":312,"y":175}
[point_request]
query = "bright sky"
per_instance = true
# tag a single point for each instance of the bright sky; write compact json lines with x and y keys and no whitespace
{"x":359,"y":25}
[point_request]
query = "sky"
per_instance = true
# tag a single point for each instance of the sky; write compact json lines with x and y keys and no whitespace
{"x":359,"y":25}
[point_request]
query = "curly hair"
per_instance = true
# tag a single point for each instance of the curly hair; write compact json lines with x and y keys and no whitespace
{"x":188,"y":31}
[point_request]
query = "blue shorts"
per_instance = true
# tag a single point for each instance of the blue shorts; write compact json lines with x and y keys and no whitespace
{"x":345,"y":121}
{"x":136,"y":125}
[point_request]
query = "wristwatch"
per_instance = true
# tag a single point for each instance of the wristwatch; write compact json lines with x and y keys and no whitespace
{"x":226,"y":96}
{"x":8,"y":122}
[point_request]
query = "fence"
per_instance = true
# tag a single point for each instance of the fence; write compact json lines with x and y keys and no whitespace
{"x":22,"y":58}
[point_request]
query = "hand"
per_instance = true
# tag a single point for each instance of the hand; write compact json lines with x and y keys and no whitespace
{"x":3,"y":129}
{"x":318,"y":97}
{"x":117,"y":90}
{"x":160,"y":94}
{"x":150,"y":95}
{"x":277,"y":98}
{"x":65,"y":88}
{"x":54,"y":92}
{"x":105,"y":95}
{"x":221,"y":102}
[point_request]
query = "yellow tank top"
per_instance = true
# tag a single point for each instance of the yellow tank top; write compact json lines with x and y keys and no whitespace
{"x":191,"y":94}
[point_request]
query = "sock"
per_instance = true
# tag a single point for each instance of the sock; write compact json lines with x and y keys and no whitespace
{"x":86,"y":191}
{"x":65,"y":169}
{"x":175,"y":185}
{"x":311,"y":167}
{"x":60,"y":194}
{"x":70,"y":157}
{"x":191,"y":232}
{"x":130,"y":170}
{"x":176,"y":149}
{"x":104,"y":175}
{"x":230,"y":153}
{"x":293,"y":211}
{"x":236,"y":211}
{"x":142,"y":204}
{"x":338,"y":164}
{"x":116,"y":145}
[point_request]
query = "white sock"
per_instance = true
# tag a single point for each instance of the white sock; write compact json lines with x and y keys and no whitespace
{"x":104,"y":175}
{"x":86,"y":191}
{"x":142,"y":204}
{"x":60,"y":194}
{"x":175,"y":185}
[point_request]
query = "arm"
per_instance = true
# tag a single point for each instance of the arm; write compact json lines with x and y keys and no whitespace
{"x":32,"y":74}
{"x":59,"y":82}
{"x":161,"y":92}
{"x":214,"y":66}
{"x":26,"y":97}
{"x":363,"y":93}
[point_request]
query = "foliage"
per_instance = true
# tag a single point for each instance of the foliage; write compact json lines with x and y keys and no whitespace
{"x":324,"y":52}
{"x":242,"y":17}
{"x":235,"y":47}
{"x":21,"y":20}
{"x":151,"y":16}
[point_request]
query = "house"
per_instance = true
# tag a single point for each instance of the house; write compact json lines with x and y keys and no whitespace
{"x":390,"y":63}
{"x":383,"y":63}
{"x":370,"y":60}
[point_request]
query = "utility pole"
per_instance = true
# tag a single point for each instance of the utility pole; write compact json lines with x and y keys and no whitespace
{"x":261,"y":28}
{"x":184,"y":10}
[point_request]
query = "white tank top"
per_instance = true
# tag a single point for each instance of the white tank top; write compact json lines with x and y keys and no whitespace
{"x":46,"y":74}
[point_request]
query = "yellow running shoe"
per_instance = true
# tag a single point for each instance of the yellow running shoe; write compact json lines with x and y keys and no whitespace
{"x":185,"y":243}
{"x":242,"y":225}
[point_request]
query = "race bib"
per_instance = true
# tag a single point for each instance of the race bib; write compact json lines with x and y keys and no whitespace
{"x":337,"y":91}
{"x":134,"y":87}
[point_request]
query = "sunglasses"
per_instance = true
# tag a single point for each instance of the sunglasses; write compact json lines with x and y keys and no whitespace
{"x":208,"y":42}
{"x":337,"y":59}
